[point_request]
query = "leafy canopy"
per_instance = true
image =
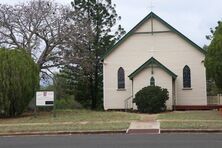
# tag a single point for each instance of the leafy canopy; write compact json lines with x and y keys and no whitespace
{"x":103,"y":31}
{"x":19,"y":79}
{"x":213,"y":61}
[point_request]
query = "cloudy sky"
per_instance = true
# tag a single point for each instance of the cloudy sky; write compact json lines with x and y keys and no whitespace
{"x":193,"y":18}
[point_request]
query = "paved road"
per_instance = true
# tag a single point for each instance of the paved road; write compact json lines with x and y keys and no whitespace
{"x":115,"y":141}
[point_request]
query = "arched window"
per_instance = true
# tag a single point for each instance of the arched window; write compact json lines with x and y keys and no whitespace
{"x":121,"y":78}
{"x":186,"y":77}
{"x":152,"y":81}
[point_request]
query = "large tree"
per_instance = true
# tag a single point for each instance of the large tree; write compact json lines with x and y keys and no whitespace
{"x":102,"y":32}
{"x":213,"y":59}
{"x":42,"y":28}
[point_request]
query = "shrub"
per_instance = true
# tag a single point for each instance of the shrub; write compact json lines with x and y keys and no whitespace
{"x":19,"y":79}
{"x":151,"y":99}
{"x":67,"y":102}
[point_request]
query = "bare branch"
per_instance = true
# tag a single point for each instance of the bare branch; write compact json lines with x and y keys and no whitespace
{"x":42,"y":28}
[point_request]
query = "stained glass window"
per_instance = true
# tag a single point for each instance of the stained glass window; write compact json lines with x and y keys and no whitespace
{"x":152,"y":81}
{"x":121,"y":78}
{"x":186,"y":77}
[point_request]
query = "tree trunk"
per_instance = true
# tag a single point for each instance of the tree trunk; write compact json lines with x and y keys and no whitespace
{"x":92,"y":92}
{"x":95,"y":97}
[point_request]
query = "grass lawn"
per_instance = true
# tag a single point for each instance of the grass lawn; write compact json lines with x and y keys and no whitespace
{"x":191,"y":120}
{"x":69,"y":120}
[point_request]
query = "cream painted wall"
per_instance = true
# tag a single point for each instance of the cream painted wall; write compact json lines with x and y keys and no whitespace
{"x":147,"y":27}
{"x":161,"y":79}
{"x":169,"y":49}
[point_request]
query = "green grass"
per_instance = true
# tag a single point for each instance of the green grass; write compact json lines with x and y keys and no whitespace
{"x":191,"y":125}
{"x":71,"y":127}
{"x":191,"y":120}
{"x":191,"y":115}
{"x":69,"y":120}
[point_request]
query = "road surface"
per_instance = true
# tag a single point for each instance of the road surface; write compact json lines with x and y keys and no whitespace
{"x":115,"y":141}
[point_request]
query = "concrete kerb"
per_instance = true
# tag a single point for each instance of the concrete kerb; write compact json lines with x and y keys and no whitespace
{"x":191,"y":131}
{"x":61,"y":133}
{"x":162,"y":131}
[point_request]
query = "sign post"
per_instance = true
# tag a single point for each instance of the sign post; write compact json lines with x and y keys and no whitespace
{"x":54,"y":106}
{"x":35,"y":111}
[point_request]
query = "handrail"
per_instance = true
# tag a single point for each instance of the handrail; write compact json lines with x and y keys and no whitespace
{"x":126,"y":101}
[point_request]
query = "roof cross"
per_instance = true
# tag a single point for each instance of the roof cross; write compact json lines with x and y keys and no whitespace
{"x":151,"y":51}
{"x":151,"y":6}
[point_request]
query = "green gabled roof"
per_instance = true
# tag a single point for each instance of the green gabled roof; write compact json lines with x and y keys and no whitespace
{"x":151,"y":61}
{"x":151,"y":15}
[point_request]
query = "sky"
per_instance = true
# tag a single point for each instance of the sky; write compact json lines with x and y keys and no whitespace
{"x":193,"y":18}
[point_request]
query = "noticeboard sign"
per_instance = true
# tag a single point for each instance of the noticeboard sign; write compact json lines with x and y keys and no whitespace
{"x":44,"y":98}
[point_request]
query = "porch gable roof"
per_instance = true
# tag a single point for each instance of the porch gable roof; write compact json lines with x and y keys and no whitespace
{"x":149,"y":62}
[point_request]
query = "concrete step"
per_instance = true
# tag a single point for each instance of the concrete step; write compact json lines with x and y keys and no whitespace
{"x":150,"y":127}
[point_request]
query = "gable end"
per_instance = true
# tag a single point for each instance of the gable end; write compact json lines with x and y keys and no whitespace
{"x":151,"y":15}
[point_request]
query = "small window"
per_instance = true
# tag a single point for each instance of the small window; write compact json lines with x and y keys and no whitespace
{"x":121,"y":78}
{"x":186,"y":77}
{"x":152,"y":81}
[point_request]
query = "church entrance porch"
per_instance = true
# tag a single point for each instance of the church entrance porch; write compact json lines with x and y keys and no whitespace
{"x":154,"y":73}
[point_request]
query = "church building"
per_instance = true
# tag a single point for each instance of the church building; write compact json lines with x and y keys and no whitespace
{"x":154,"y":53}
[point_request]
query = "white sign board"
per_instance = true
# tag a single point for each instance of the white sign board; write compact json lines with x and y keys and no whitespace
{"x":44,"y":98}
